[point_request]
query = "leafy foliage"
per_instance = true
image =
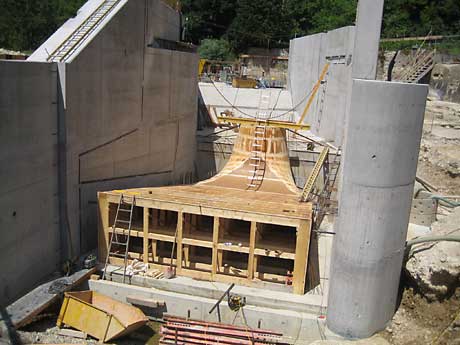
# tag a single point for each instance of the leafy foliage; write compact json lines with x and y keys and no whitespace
{"x":215,"y":49}
{"x":25,"y":24}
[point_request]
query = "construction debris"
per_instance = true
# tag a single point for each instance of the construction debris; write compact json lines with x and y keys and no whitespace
{"x":99,"y":316}
{"x":136,"y":267}
{"x":66,"y":332}
{"x":181,"y":331}
{"x":25,"y":309}
{"x":434,"y":267}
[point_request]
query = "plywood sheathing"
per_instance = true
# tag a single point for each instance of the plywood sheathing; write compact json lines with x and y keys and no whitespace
{"x":224,"y":197}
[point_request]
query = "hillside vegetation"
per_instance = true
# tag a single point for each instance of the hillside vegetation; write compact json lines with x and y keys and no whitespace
{"x":25,"y":24}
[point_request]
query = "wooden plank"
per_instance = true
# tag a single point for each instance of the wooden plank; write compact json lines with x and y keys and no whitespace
{"x":274,"y":253}
{"x":30,"y":305}
{"x":193,"y":202}
{"x":252,"y":215}
{"x":252,"y":244}
{"x":121,"y":231}
{"x":146,"y":234}
{"x":268,"y":123}
{"x":186,"y":232}
{"x":161,"y":237}
{"x":215,"y":241}
{"x":103,"y":224}
{"x":180,"y":227}
{"x":233,"y":248}
{"x":301,"y":256}
{"x":154,"y":250}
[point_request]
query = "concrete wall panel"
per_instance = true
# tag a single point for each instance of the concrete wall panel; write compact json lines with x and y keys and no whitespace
{"x":125,"y":117}
{"x":29,"y":230}
{"x":307,"y":55}
{"x":163,"y":22}
{"x":307,"y":58}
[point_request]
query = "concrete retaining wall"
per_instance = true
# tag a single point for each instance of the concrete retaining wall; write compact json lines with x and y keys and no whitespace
{"x":125,"y":117}
{"x":307,"y":58}
{"x":29,"y":227}
{"x":130,"y":121}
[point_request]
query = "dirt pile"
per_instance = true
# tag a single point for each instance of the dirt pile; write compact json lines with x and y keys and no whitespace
{"x":434,"y":267}
{"x":439,"y":159}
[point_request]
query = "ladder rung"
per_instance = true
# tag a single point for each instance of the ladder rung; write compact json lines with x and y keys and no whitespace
{"x":124,"y":210}
{"x":122,"y":221}
{"x":120,"y":243}
{"x":118,"y":254}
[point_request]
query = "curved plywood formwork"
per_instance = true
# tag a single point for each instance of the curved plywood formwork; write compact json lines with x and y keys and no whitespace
{"x":275,"y":155}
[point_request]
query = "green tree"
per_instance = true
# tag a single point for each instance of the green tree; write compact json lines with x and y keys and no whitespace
{"x":418,"y":17}
{"x":262,"y":23}
{"x":207,"y":18}
{"x":25,"y":24}
{"x":215,"y":49}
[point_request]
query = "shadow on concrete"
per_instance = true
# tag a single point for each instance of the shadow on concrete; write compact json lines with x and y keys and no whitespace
{"x":8,"y":334}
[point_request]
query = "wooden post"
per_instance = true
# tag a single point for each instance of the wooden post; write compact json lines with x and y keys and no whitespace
{"x":103,"y":235}
{"x":180,"y":223}
{"x":301,"y":257}
{"x":154,"y":251}
{"x":187,"y":219}
{"x":146,"y":234}
{"x":215,"y":242}
{"x":252,"y":244}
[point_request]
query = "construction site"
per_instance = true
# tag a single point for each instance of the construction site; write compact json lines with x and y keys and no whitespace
{"x":150,"y":197}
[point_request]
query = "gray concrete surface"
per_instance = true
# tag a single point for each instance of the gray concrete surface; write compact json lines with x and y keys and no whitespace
{"x":299,"y":327}
{"x":29,"y":229}
{"x":367,"y":39}
{"x":380,"y":161}
{"x":307,"y":57}
{"x":120,"y":115}
{"x":132,"y":111}
{"x":221,"y":97}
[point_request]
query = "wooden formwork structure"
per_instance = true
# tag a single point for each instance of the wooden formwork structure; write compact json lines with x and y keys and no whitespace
{"x":218,"y":230}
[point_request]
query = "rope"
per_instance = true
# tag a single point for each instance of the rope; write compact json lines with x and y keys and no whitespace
{"x":231,"y":105}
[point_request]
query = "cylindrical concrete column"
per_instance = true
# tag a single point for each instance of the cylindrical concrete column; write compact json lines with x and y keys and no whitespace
{"x":380,"y":162}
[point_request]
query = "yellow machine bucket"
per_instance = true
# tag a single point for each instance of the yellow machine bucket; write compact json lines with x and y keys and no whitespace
{"x":99,"y":316}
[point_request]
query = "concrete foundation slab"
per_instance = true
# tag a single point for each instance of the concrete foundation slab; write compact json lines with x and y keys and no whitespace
{"x":299,"y":327}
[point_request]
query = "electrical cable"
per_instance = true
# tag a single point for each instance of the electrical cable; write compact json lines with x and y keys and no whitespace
{"x":231,"y":105}
{"x":254,"y":117}
{"x":274,"y":106}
